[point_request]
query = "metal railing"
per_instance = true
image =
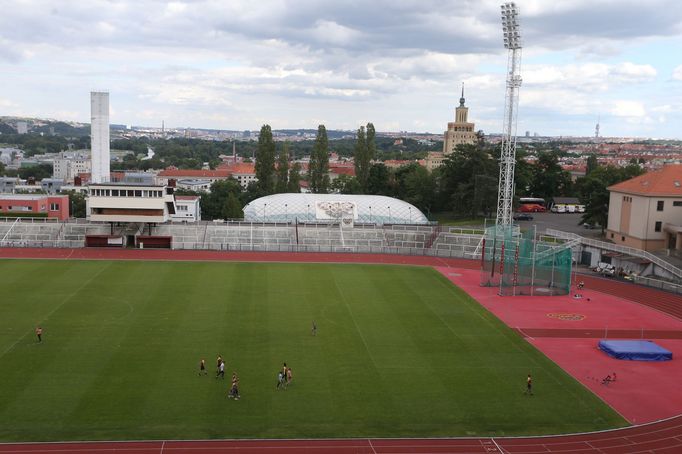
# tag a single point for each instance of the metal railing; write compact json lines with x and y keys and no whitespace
{"x":657,"y":283}
{"x":459,"y":251}
{"x":675,"y":271}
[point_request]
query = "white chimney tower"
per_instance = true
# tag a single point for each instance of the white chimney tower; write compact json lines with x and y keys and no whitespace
{"x":99,"y":136}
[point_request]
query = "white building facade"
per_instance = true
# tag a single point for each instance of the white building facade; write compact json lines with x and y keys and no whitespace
{"x":130,"y":203}
{"x":99,"y":130}
{"x":69,"y":164}
{"x":187,"y":208}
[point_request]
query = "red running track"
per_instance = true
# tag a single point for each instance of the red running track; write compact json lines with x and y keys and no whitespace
{"x":660,"y":437}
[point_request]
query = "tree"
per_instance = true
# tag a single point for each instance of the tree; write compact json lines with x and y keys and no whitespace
{"x":214,"y":204}
{"x":378,"y":181}
{"x":265,"y":160}
{"x":282,"y":181}
{"x":549,"y":179}
{"x":415,"y":185}
{"x":523,"y":175}
{"x":318,"y":168}
{"x":464,"y":188}
{"x":371,"y":145}
{"x":76,"y":204}
{"x":346,"y":184}
{"x":591,"y":163}
{"x":38,"y":172}
{"x":595,"y":195}
{"x":294,"y":184}
{"x":361,"y":159}
{"x":232,"y":208}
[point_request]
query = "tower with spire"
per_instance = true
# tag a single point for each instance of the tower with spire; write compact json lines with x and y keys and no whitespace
{"x":459,"y":131}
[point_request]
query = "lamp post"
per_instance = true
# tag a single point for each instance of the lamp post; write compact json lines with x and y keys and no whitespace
{"x":307,"y":216}
{"x":265,"y":205}
{"x":389,"y":215}
{"x":286,"y":212}
{"x":512,"y":42}
{"x":370,"y":214}
{"x":410,"y":208}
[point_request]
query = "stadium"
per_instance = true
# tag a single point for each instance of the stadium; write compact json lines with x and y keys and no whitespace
{"x":407,"y":345}
{"x":326,"y":323}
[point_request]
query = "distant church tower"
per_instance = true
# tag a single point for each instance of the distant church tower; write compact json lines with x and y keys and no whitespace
{"x":459,"y":131}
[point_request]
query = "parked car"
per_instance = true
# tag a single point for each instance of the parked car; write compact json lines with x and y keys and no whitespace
{"x":571,"y":209}
{"x":523,"y":217}
{"x":590,"y":226}
{"x":532,"y":208}
{"x":605,"y":268}
{"x":580,"y":208}
{"x":558,"y":208}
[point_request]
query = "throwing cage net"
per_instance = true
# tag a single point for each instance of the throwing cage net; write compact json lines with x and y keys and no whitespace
{"x":519,"y":264}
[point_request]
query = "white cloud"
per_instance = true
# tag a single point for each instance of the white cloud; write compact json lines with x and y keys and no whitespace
{"x":677,"y":73}
{"x":236,"y":63}
{"x":625,"y":108}
{"x":588,"y":76}
{"x":5,"y":103}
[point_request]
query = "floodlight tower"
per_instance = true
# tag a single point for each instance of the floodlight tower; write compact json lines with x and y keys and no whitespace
{"x":512,"y":42}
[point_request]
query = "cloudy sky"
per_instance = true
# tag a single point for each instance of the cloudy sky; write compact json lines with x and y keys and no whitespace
{"x":234,"y":64}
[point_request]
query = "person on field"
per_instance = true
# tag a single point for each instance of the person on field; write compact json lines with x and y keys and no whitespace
{"x":221,"y":370}
{"x":280,"y":380}
{"x":218,"y":361}
{"x":581,"y":285}
{"x":606,"y":380}
{"x":234,"y":387}
{"x":202,"y":367}
{"x":313,"y":330}
{"x":39,"y":333}
{"x":289,"y":376}
{"x":529,"y":385}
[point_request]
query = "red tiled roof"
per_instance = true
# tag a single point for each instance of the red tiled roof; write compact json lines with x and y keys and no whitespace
{"x":342,"y":170}
{"x":664,"y":182}
{"x":193,"y":173}
{"x":241,"y":167}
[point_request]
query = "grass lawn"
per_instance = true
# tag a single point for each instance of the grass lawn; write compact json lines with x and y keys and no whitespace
{"x":399,"y":352}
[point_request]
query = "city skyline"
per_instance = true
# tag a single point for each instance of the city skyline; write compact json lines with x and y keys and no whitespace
{"x":206,"y":64}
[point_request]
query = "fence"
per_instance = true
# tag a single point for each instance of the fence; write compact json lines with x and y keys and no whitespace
{"x":675,"y":271}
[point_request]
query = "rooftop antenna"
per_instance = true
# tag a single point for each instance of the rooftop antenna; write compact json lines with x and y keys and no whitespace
{"x":512,"y":41}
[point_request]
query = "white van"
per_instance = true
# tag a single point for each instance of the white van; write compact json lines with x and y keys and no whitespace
{"x":571,"y":209}
{"x":581,"y":208}
{"x":559,"y":208}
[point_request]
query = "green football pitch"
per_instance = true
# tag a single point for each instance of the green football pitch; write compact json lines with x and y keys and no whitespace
{"x":399,"y":352}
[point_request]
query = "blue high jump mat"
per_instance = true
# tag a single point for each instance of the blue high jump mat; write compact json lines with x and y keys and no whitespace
{"x":635,"y":350}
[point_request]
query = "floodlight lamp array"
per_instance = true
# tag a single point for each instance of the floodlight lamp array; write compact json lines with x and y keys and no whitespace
{"x":510,"y":26}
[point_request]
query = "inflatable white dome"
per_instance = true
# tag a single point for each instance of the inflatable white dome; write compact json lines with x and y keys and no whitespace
{"x":314,"y":208}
